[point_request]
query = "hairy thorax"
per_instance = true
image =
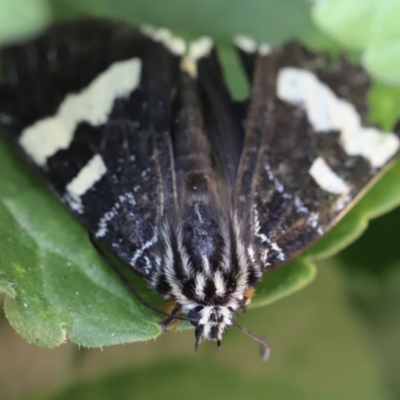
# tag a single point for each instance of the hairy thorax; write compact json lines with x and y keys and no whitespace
{"x":205,"y":269}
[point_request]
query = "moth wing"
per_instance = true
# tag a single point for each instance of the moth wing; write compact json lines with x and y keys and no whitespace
{"x":88,"y":103}
{"x":309,"y":151}
{"x":223,"y":122}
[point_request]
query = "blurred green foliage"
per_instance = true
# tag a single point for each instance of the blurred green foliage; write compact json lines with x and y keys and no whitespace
{"x":336,"y":340}
{"x":368,"y":25}
{"x":19,"y":18}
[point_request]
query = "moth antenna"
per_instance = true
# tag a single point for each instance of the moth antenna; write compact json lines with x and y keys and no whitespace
{"x":265,"y":350}
{"x":129,"y":285}
{"x":197,"y":337}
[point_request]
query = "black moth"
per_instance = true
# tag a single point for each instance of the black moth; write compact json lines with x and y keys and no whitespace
{"x":196,"y":193}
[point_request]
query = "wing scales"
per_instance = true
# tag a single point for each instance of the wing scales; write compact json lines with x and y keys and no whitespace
{"x":124,"y":199}
{"x":222,"y":122}
{"x":300,"y":178}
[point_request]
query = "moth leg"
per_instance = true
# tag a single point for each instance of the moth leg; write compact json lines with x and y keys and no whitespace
{"x":247,"y":296}
{"x":173,"y":308}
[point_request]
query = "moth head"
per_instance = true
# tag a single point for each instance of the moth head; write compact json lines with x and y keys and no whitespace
{"x":211,"y":321}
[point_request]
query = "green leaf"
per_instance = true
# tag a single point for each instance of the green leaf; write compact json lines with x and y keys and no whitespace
{"x":383,"y":61}
{"x":348,"y":21}
{"x":368,"y":25}
{"x":56,"y":284}
{"x":319,"y":351}
{"x":198,"y":378}
{"x":284,"y":281}
{"x":7,"y":286}
{"x":221,"y":19}
{"x":19,"y":18}
{"x":60,"y":285}
{"x":372,"y":268}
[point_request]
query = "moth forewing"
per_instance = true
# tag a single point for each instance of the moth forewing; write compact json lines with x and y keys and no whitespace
{"x":316,"y":151}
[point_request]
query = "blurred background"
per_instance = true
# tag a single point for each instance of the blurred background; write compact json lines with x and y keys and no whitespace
{"x":338,"y":338}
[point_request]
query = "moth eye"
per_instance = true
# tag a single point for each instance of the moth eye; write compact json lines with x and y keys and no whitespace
{"x":214,"y":318}
{"x":194,"y":317}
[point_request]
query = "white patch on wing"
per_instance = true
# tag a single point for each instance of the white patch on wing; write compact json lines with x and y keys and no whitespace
{"x":281,"y":254}
{"x":93,"y":104}
{"x":189,"y":65}
{"x":300,"y":206}
{"x":313,"y":219}
{"x":109,"y":215}
{"x":278,"y":185}
{"x":148,"y":265}
{"x":257,"y":226}
{"x":245,"y":43}
{"x":175,"y":44}
{"x":139,"y":252}
{"x":327,"y":112}
{"x":326,"y":178}
{"x":200,"y":48}
{"x":264,"y":49}
{"x":102,"y":224}
{"x":91,"y":173}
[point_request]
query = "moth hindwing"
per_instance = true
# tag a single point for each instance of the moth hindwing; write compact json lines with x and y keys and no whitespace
{"x":196,"y":193}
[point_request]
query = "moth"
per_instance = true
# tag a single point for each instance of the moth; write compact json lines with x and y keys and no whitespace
{"x":138,"y":135}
